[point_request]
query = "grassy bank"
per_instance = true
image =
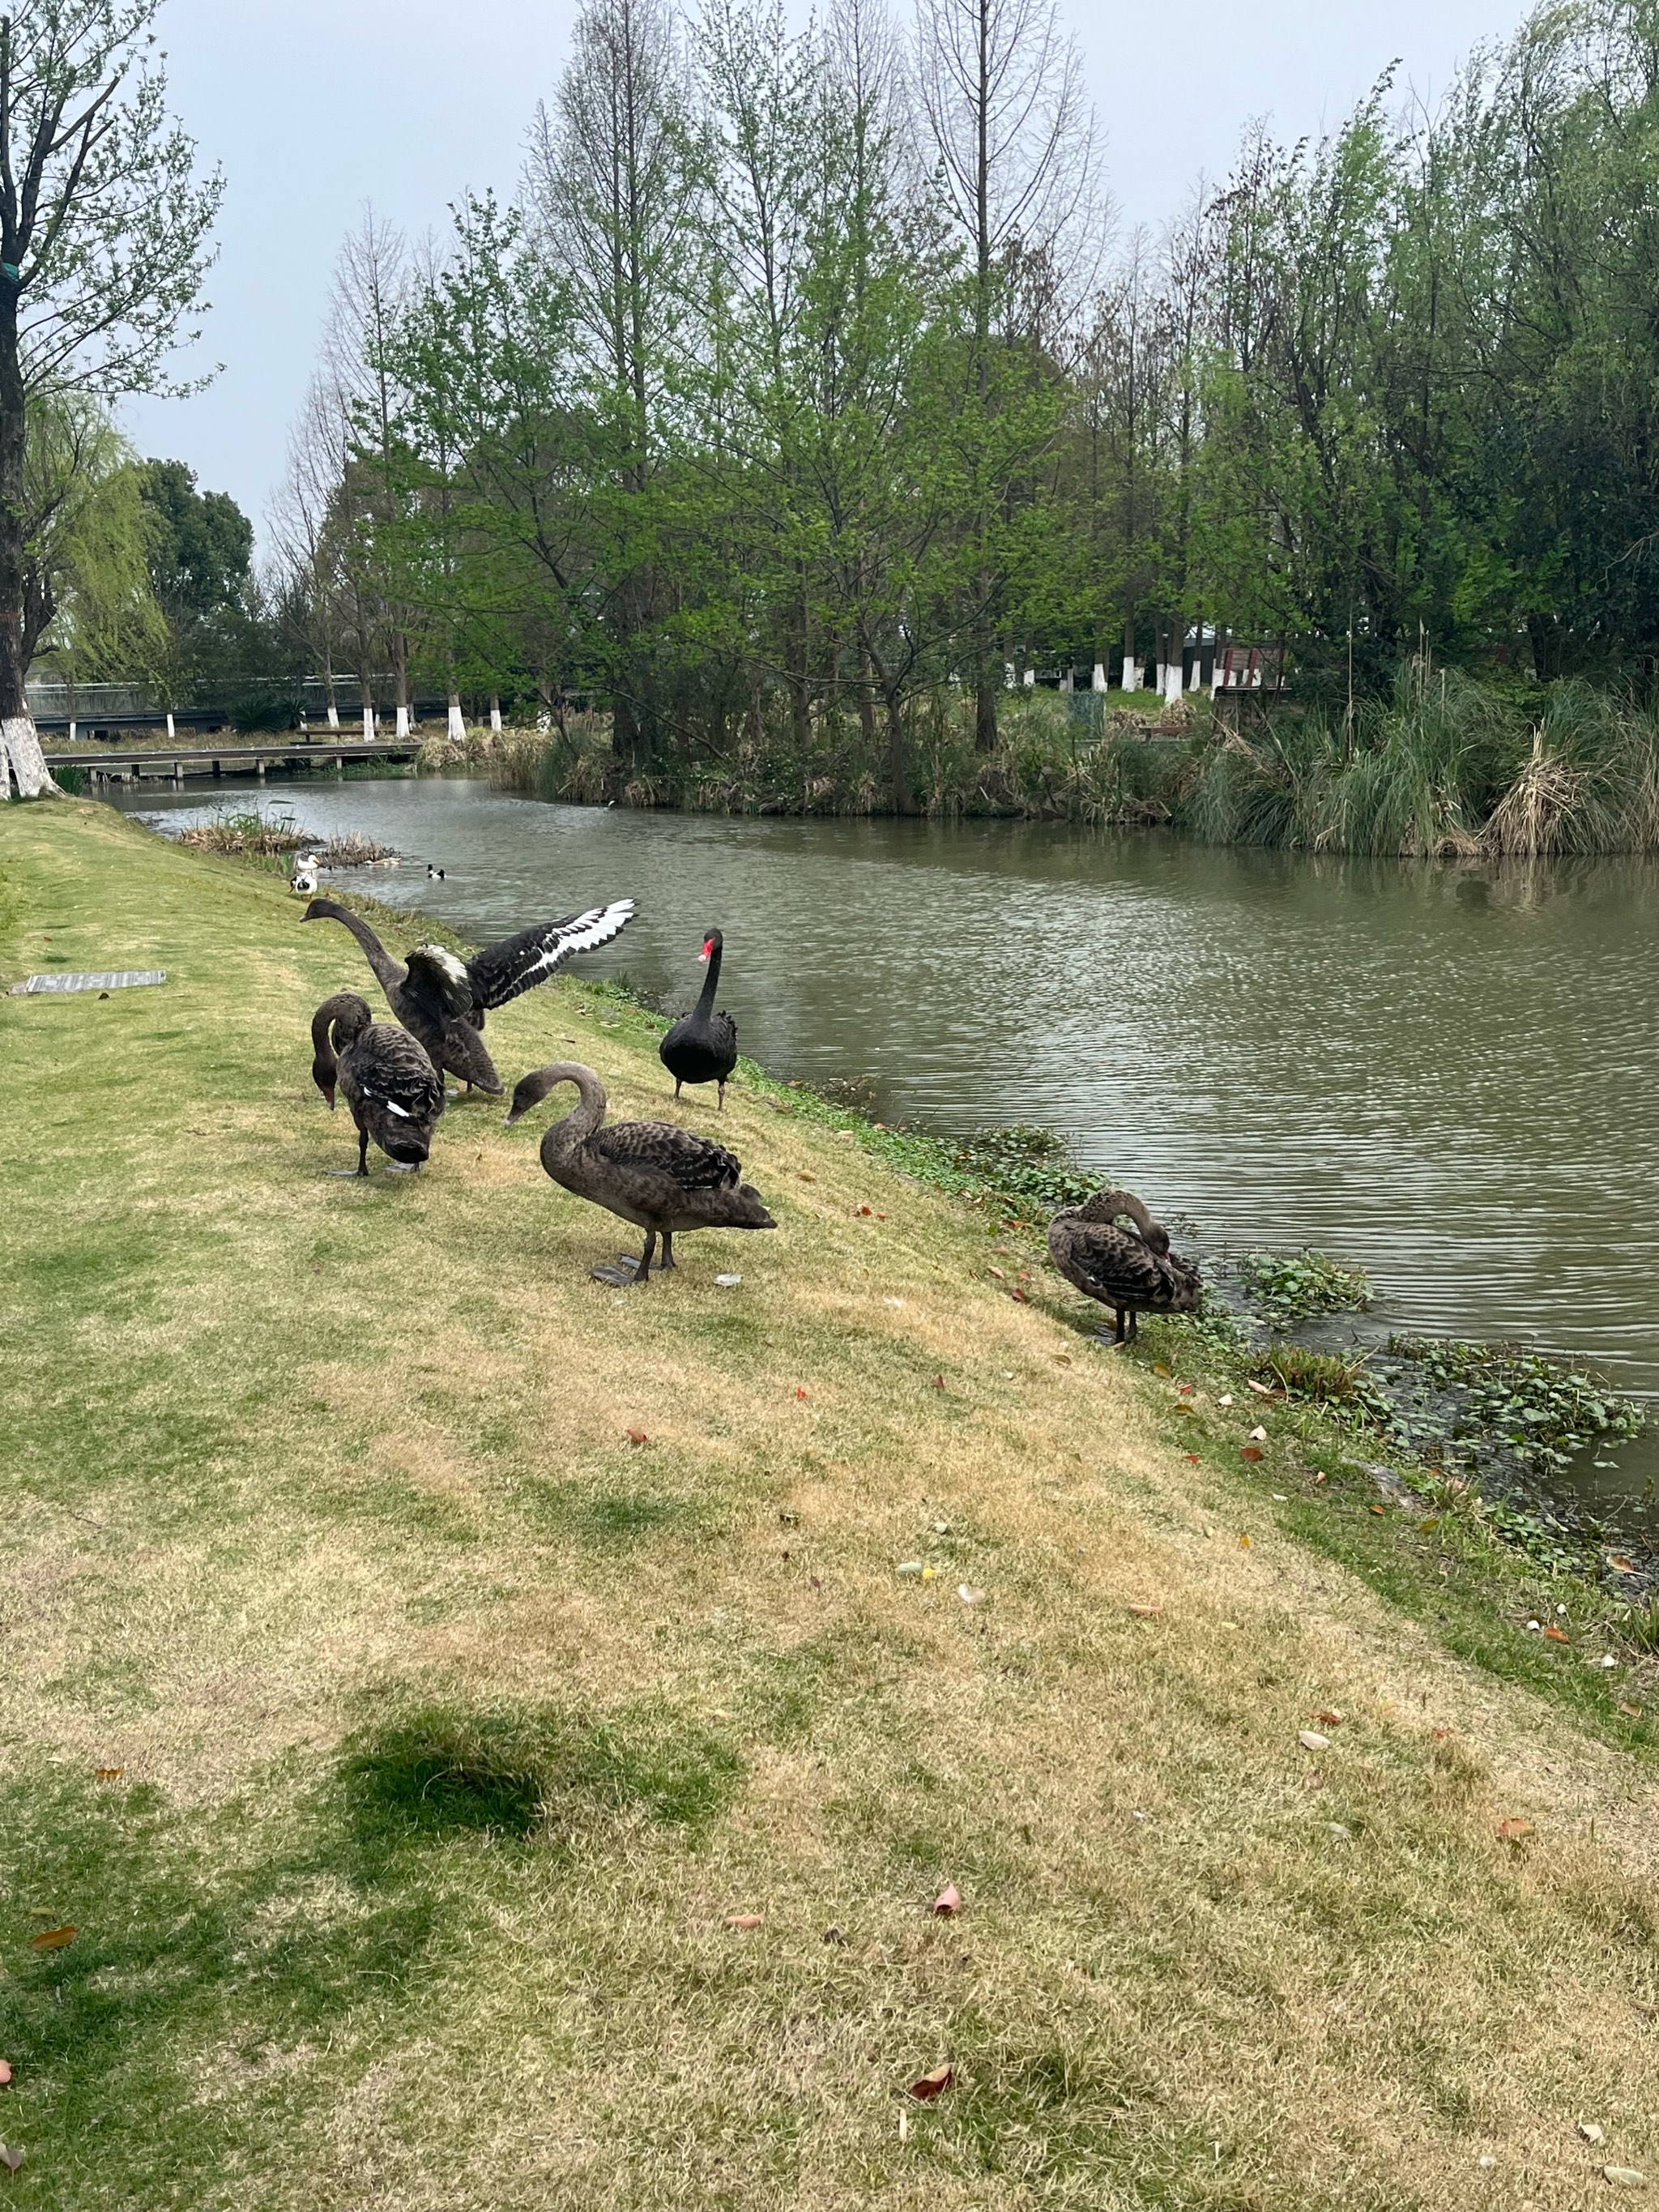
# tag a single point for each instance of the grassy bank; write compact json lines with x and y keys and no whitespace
{"x":401,"y":1739}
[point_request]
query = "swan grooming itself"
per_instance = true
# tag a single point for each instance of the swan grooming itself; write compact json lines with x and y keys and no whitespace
{"x":663,"y":1178}
{"x":442,"y":999}
{"x":702,"y":1045}
{"x":1131,"y":1270}
{"x":395,"y":1093}
{"x":305,"y":875}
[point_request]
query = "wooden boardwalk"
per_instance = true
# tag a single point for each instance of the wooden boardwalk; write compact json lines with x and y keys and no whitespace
{"x":115,"y":763}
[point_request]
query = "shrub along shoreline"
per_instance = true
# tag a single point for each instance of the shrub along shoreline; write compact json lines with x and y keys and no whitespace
{"x":1442,"y":767}
{"x":427,"y":1667}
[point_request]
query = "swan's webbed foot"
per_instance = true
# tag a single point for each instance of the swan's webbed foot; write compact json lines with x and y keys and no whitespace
{"x":403,"y":1167}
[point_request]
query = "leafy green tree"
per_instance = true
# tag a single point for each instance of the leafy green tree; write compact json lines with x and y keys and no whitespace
{"x":104,"y":228}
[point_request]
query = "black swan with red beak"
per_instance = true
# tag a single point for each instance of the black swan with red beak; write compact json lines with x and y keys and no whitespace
{"x":442,"y":999}
{"x":663,"y":1178}
{"x":702,"y":1045}
{"x":395,"y":1093}
{"x":1131,"y":1270}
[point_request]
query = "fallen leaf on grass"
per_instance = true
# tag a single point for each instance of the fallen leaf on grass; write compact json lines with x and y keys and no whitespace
{"x":949,"y":1900}
{"x":1253,"y":1453}
{"x":107,"y":1773}
{"x":1514,"y":1832}
{"x":969,"y":1595}
{"x":1591,"y":2133}
{"x":997,"y":1272}
{"x":1064,"y":1357}
{"x":1310,"y":1740}
{"x":638,"y":1436}
{"x":1225,"y":1399}
{"x":1258,"y":1435}
{"x":727,"y":1282}
{"x":1146,"y":1612}
{"x":1186,"y":1388}
{"x":1261,"y":1389}
{"x":799,"y":1393}
{"x":1158,"y":1368}
{"x":834,"y":1935}
{"x":1619,"y":1563}
{"x":930,"y":2084}
{"x":1018,"y":1293}
{"x":1329,"y":1716}
{"x":1243,"y":1543}
{"x":1557,"y":1635}
{"x":745,"y":1921}
{"x":864,"y":1211}
{"x":939,"y":1381}
{"x":52,"y":1939}
{"x":13,"y":2159}
{"x":804,"y":1175}
{"x":1631,"y":1712}
{"x":1624,"y":2176}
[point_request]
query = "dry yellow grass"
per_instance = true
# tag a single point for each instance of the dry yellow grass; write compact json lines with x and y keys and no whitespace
{"x":454,"y":1727}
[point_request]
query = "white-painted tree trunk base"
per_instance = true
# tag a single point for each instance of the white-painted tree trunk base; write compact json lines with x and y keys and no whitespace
{"x":1195,"y":681}
{"x":1099,"y":684}
{"x":172,"y":732}
{"x":23,"y":762}
{"x":368,"y":726}
{"x":72,"y":735}
{"x":495,"y":717}
{"x":1030,"y":679}
{"x":1159,"y":672}
{"x":457,"y":722}
{"x":402,"y":730}
{"x":1174,"y":683}
{"x":1068,"y":682}
{"x":1131,"y":675}
{"x":334,"y":718}
{"x":1007,"y":675}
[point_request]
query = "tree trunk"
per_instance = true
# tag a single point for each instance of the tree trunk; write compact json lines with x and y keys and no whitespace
{"x":21,"y":761}
{"x":494,"y":713}
{"x":457,"y":721}
{"x":985,"y":710}
{"x":900,"y":783}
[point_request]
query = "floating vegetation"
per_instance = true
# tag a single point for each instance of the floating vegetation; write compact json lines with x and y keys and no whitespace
{"x":248,"y":835}
{"x":1534,"y":1411}
{"x":262,"y":836}
{"x":1027,"y":1166}
{"x":1288,"y":1288}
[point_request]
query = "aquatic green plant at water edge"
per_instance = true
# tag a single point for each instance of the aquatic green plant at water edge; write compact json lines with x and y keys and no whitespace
{"x":1286,"y":1288}
{"x":1032,"y":1166}
{"x":1540,"y":1413}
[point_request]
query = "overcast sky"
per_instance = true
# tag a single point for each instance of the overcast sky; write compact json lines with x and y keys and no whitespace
{"x":314,"y":106}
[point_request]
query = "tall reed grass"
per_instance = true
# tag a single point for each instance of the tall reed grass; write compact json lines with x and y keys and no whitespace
{"x":1442,"y":768}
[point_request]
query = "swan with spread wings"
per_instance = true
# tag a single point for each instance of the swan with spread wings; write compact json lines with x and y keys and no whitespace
{"x":442,"y":999}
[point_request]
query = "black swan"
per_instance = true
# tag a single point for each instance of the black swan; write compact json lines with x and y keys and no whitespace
{"x":702,"y":1045}
{"x":443,"y":1000}
{"x":1132,"y":1271}
{"x":395,"y":1093}
{"x":663,"y":1178}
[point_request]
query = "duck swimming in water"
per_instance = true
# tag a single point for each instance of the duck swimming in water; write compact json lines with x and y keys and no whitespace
{"x":1131,"y":1270}
{"x":702,"y":1045}
{"x":442,"y":999}
{"x":661,"y":1177}
{"x":395,"y":1093}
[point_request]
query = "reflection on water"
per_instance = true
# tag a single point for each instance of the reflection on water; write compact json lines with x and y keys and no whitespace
{"x":1448,"y":1075}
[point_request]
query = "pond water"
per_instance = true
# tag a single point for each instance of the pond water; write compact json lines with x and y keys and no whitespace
{"x":1448,"y":1075}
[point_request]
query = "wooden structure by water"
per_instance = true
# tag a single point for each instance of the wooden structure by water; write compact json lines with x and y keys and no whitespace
{"x":174,"y":764}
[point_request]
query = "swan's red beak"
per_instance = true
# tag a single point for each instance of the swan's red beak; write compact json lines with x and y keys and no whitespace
{"x":707,"y":951}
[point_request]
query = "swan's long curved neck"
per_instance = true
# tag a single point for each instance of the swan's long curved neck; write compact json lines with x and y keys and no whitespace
{"x":584,"y":1117}
{"x":1107,"y":1204}
{"x":711,"y":981}
{"x":390,"y":973}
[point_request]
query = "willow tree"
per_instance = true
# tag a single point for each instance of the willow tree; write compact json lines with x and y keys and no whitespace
{"x":104,"y":246}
